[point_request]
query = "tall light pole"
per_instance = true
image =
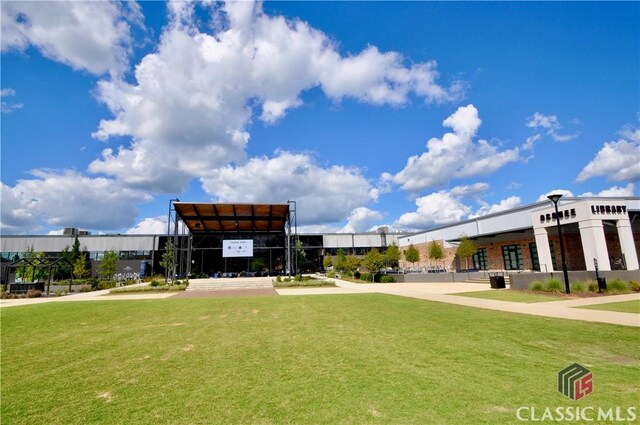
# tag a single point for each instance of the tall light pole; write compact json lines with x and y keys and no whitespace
{"x":555,"y":198}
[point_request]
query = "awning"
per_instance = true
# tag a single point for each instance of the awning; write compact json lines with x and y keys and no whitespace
{"x":202,"y":218}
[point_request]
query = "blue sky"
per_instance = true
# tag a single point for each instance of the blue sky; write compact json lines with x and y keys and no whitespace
{"x":405,"y":114}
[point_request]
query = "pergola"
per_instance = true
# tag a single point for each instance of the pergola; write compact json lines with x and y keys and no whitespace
{"x":48,"y":263}
{"x":202,"y":219}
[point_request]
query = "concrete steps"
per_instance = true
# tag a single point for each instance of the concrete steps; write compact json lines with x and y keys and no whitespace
{"x":229,"y":284}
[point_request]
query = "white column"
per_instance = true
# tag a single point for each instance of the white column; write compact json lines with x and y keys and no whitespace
{"x":544,"y":253}
{"x":594,"y":245}
{"x":627,"y":244}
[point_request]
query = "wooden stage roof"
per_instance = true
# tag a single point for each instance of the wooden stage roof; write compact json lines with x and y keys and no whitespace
{"x":203,"y":218}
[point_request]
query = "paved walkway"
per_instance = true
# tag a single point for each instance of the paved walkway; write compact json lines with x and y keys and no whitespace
{"x":439,"y":292}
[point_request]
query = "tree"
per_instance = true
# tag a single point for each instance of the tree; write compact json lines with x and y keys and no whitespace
{"x":435,"y":251}
{"x":80,"y":270}
{"x":257,"y":265}
{"x":75,"y":251}
{"x":341,"y":261}
{"x":392,"y":256}
{"x":166,"y":262}
{"x":351,"y":264}
{"x":109,"y":264}
{"x":327,"y":262}
{"x":412,"y":255}
{"x":374,"y":261}
{"x":301,"y":256}
{"x":466,"y":249}
{"x":30,"y":272}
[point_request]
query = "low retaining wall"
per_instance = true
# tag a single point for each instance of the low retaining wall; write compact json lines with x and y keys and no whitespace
{"x":523,"y":280}
{"x":439,"y":277}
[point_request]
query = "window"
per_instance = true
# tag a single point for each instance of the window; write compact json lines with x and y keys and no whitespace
{"x":535,"y":262}
{"x":480,"y":259}
{"x":512,"y":257}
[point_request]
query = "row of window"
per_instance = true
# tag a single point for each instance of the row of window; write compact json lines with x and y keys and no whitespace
{"x":93,"y":255}
{"x":512,"y":257}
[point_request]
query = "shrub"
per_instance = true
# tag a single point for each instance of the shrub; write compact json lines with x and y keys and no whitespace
{"x":536,"y":285}
{"x":59,"y":293}
{"x":34,"y":293}
{"x":278,"y":279}
{"x":155,"y":283}
{"x":577,"y":287}
{"x":106,"y":284}
{"x":298,"y":278}
{"x":617,"y":285}
{"x":553,"y":285}
{"x":634,"y":286}
{"x":385,"y":278}
{"x":287,"y":279}
{"x":367,"y":277}
{"x":85,"y":288}
{"x":357,"y":274}
{"x":593,"y":286}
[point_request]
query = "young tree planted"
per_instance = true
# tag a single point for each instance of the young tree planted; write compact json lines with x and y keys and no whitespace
{"x":351,"y":264}
{"x":109,"y":265}
{"x":466,"y":249}
{"x":327,"y":262}
{"x":435,"y":251}
{"x":412,"y":255}
{"x":166,"y":262}
{"x":374,"y":261}
{"x":392,"y":256}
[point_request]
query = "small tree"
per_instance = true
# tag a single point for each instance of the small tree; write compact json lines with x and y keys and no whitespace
{"x":166,"y":262}
{"x":392,"y":256}
{"x":374,"y":261}
{"x":109,"y":264}
{"x":327,"y":262}
{"x":28,"y":272}
{"x":466,"y":249}
{"x":257,"y":265}
{"x":435,"y":251}
{"x":351,"y":264}
{"x":80,"y":270}
{"x":341,"y":261}
{"x":412,"y":255}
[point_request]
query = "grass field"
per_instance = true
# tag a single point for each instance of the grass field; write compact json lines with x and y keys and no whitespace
{"x":624,"y":307}
{"x":301,"y":360}
{"x":511,"y":295}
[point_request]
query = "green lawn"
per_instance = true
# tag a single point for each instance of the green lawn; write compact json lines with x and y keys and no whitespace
{"x":300,"y":360}
{"x":510,"y":295}
{"x":624,"y":306}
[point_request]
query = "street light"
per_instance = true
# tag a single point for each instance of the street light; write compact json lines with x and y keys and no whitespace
{"x":555,"y":198}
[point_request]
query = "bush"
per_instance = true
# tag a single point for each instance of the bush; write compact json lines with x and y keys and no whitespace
{"x":617,"y":285}
{"x":106,"y":284}
{"x":577,"y":287}
{"x":536,"y":285}
{"x":298,"y":278}
{"x":85,"y":288}
{"x":634,"y":286}
{"x":385,"y":278}
{"x":593,"y":286}
{"x":553,"y":285}
{"x":278,"y":279}
{"x":34,"y":293}
{"x":155,"y":283}
{"x":367,"y":277}
{"x":356,"y":274}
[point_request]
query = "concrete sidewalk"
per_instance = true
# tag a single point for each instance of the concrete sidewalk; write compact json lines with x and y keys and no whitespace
{"x":442,"y":292}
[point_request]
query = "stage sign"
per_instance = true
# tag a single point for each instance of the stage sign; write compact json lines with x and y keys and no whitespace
{"x":237,"y":248}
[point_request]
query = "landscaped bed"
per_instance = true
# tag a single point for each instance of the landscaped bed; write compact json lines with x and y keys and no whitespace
{"x":318,"y":359}
{"x":513,"y":295}
{"x":302,"y":282}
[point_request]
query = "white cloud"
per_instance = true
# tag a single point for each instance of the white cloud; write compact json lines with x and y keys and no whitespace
{"x":192,"y":101}
{"x":455,"y":155}
{"x":68,"y":199}
{"x":618,"y":161}
{"x":86,"y":35}
{"x":628,"y":190}
{"x":504,"y":205}
{"x":548,"y":123}
{"x":323,"y":195}
{"x":7,"y":107}
{"x":150,"y":226}
{"x":361,"y":219}
{"x":564,"y":192}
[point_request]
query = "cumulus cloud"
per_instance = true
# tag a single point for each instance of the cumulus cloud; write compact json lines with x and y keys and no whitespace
{"x":628,"y":190}
{"x":548,"y":124}
{"x":191,"y":102}
{"x":455,"y":155}
{"x":323,"y":195}
{"x":361,"y":219}
{"x":93,"y":36}
{"x":7,"y":106}
{"x":68,"y":199}
{"x":564,"y":192}
{"x":150,"y":226}
{"x":504,"y":205}
{"x":617,"y":160}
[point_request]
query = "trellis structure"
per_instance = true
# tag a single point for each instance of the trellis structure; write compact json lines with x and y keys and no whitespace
{"x":48,"y":263}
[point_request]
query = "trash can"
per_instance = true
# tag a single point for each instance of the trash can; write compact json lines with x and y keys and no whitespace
{"x":497,"y":281}
{"x":602,"y":284}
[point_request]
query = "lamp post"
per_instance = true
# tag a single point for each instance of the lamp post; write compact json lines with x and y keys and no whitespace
{"x":555,"y":198}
